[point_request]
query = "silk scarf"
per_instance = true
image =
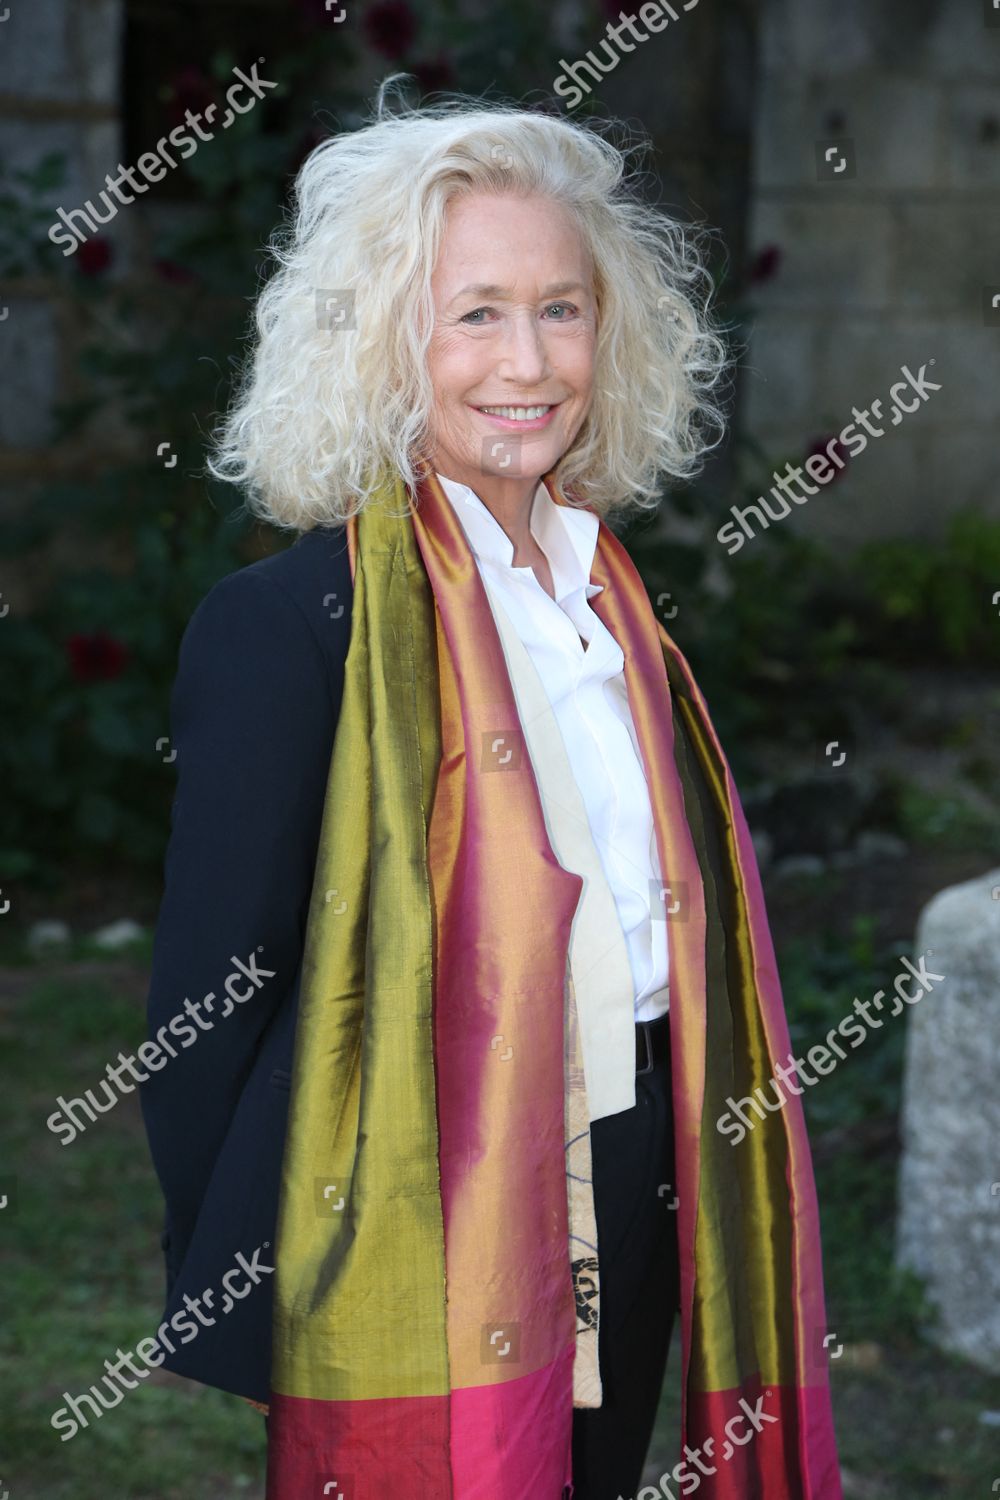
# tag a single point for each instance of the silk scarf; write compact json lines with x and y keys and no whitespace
{"x":431,"y":1336}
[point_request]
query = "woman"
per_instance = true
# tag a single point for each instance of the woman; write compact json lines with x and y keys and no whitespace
{"x":451,"y":808}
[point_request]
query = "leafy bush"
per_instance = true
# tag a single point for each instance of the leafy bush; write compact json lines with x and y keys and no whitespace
{"x":935,"y":601}
{"x":803,"y":633}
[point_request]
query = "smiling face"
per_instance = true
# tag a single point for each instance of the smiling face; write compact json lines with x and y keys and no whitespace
{"x":515,"y":321}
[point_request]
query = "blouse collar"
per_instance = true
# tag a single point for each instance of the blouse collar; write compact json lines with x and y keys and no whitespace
{"x":566,"y":535}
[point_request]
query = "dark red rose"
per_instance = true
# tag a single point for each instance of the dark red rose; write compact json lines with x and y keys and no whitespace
{"x":192,"y":89}
{"x":766,"y":263}
{"x":820,"y":445}
{"x":174,"y":273}
{"x":96,"y":658}
{"x":390,"y":27}
{"x":94,"y":256}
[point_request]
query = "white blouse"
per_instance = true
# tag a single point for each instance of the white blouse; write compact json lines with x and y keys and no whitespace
{"x":586,"y":689}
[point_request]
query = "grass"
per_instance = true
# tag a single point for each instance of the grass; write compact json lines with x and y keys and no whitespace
{"x":83,"y":1277}
{"x":82,"y":1272}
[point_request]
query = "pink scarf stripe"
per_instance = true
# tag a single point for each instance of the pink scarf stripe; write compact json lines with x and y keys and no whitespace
{"x":503,"y":914}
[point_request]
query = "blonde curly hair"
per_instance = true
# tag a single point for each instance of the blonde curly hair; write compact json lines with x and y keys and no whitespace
{"x":317,"y":415}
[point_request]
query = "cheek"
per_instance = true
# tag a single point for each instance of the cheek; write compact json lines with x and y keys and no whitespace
{"x":446,"y":394}
{"x":576,"y":363}
{"x":451,"y":380}
{"x":455,"y":366}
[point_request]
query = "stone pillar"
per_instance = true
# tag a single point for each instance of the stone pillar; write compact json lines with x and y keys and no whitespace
{"x":58,"y":94}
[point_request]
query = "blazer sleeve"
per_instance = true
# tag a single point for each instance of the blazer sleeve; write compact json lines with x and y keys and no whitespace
{"x":252,"y":720}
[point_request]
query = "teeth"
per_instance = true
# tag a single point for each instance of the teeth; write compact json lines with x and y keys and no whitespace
{"x":516,"y":413}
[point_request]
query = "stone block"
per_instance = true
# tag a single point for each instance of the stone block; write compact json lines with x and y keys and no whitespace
{"x":932,"y":38}
{"x":95,"y":45}
{"x":948,"y":1225}
{"x":896,"y":126}
{"x":944,"y":254}
{"x":36,"y":51}
{"x":959,"y":43}
{"x":827,"y":35}
{"x":957,"y":464}
{"x":30,"y":343}
{"x":62,"y":51}
{"x":858,"y":365}
{"x":835,"y":252}
{"x":776,"y":372}
{"x":974,"y":134}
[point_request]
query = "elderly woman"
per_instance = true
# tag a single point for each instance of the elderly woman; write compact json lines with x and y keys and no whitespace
{"x":456,"y":841}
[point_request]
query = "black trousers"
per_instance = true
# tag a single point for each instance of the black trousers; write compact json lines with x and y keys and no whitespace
{"x":633,"y":1157}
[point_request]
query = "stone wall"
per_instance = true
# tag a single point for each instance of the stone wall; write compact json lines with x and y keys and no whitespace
{"x":885,"y":265}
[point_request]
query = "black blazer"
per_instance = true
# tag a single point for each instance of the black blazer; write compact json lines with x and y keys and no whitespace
{"x":252,"y":717}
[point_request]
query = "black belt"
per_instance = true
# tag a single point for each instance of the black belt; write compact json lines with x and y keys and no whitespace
{"x":652,"y":1043}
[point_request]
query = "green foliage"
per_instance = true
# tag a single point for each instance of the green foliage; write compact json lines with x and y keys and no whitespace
{"x":928,"y":817}
{"x":806,"y":623}
{"x":936,"y":598}
{"x":771,"y":627}
{"x":851,"y":1115}
{"x":820,"y":980}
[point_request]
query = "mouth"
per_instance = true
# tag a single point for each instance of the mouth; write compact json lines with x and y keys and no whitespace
{"x":522,"y":418}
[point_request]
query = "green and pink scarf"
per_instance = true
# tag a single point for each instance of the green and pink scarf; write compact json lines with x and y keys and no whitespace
{"x":427,"y":1315}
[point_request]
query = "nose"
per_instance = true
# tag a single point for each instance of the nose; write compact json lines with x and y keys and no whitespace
{"x":524,"y":359}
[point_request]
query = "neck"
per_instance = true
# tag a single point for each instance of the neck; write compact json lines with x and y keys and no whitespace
{"x":509,"y":501}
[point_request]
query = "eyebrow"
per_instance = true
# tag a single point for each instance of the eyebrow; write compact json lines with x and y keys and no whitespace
{"x":488,"y":289}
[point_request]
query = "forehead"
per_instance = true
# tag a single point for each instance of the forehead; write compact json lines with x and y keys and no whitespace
{"x":497,"y":242}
